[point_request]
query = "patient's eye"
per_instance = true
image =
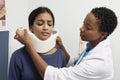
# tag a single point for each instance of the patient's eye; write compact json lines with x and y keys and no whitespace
{"x":40,"y":23}
{"x":50,"y":23}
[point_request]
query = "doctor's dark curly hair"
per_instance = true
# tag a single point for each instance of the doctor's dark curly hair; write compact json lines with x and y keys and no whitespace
{"x":107,"y":19}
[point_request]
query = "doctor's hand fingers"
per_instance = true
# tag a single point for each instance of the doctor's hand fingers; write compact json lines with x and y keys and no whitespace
{"x":26,"y":33}
{"x":18,"y":33}
{"x":26,"y":37}
{"x":20,"y":37}
{"x":59,"y":42}
{"x":17,"y":37}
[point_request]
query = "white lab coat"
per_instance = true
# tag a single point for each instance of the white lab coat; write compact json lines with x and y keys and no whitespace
{"x":97,"y":65}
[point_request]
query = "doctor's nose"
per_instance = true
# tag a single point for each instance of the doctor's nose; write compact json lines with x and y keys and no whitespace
{"x":82,"y":29}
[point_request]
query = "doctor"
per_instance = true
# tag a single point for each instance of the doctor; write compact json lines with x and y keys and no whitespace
{"x":95,"y":63}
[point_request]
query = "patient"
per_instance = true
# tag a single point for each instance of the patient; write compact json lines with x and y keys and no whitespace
{"x":41,"y":23}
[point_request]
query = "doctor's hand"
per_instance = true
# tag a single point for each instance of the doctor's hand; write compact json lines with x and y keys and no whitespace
{"x":22,"y":38}
{"x":61,"y":46}
{"x":59,"y":43}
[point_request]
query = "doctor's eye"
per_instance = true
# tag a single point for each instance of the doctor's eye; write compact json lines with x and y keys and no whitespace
{"x":88,"y":27}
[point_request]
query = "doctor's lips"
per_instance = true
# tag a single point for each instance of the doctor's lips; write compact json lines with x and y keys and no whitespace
{"x":81,"y":34}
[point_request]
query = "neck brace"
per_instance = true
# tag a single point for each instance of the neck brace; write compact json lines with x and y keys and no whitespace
{"x":41,"y":46}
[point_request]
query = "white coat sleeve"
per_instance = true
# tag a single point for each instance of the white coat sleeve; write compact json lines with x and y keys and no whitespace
{"x":72,"y":60}
{"x":88,"y":70}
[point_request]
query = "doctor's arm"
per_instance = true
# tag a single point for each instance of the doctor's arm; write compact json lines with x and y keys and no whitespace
{"x":40,"y":64}
{"x":61,"y":46}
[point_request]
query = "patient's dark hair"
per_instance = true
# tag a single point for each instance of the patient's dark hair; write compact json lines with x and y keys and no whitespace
{"x":38,"y":11}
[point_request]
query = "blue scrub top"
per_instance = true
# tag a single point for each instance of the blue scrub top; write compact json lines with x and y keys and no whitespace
{"x":22,"y":67}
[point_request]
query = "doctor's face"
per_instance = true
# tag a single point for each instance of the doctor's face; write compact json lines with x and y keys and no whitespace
{"x":42,"y":26}
{"x":90,"y":29}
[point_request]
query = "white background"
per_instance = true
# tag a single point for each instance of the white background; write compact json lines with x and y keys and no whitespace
{"x":69,"y":16}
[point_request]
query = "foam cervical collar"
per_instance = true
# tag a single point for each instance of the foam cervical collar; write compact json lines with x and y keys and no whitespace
{"x":42,"y":46}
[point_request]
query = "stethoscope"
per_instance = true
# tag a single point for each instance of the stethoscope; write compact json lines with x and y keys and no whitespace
{"x":82,"y":52}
